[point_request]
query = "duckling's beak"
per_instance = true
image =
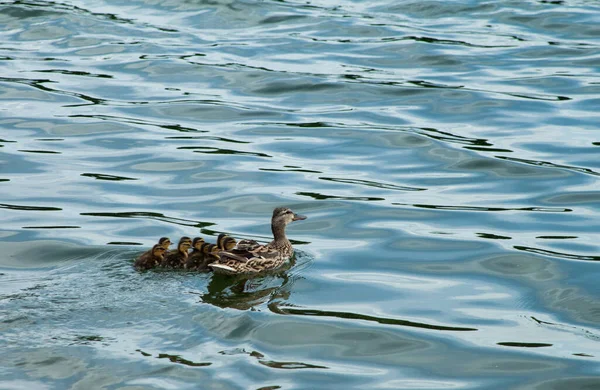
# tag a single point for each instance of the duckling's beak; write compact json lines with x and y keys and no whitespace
{"x":298,"y":217}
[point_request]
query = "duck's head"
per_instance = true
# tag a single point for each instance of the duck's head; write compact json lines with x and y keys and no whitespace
{"x":197,"y":242}
{"x":225,"y":242}
{"x":283,"y":215}
{"x":165,"y":242}
{"x":210,"y":249}
{"x":184,"y":244}
{"x":228,"y":243}
{"x":220,"y":239}
{"x":158,"y":250}
{"x":214,"y":250}
{"x":204,"y":246}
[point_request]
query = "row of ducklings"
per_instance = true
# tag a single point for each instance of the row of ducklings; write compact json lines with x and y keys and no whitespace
{"x":202,"y":254}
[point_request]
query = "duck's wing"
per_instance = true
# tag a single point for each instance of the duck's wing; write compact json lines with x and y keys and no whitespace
{"x":241,"y":256}
{"x":250,"y":250}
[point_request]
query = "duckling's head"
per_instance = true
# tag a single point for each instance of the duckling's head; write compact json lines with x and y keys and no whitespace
{"x":214,"y":250}
{"x":210,"y":249}
{"x":184,"y":244}
{"x":158,"y":250}
{"x":228,"y":243}
{"x":204,"y":246}
{"x":164,"y":242}
{"x":283,"y":215}
{"x":197,"y":242}
{"x":220,"y":239}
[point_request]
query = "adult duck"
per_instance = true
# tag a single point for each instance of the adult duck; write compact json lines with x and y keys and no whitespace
{"x":249,"y":257}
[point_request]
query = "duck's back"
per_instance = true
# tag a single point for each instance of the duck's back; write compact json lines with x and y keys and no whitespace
{"x":198,"y":261}
{"x":146,"y":261}
{"x":174,"y":259}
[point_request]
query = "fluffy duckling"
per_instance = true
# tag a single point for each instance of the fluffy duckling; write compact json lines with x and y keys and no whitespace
{"x":177,"y":259}
{"x":197,"y":260}
{"x":249,"y":257}
{"x":211,"y":250}
{"x":150,"y":259}
{"x":225,"y":242}
{"x":220,"y":238}
{"x":165,"y":242}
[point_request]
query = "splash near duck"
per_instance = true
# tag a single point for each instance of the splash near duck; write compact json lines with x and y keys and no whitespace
{"x":249,"y":257}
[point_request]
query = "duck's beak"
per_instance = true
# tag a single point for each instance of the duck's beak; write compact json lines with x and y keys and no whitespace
{"x":298,"y":217}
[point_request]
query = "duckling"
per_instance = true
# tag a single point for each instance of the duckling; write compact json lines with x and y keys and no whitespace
{"x":211,"y":250}
{"x":177,"y":259}
{"x":150,"y":259}
{"x":165,"y":242}
{"x":220,"y":240}
{"x":250,"y":257}
{"x":225,"y":242}
{"x":197,"y":260}
{"x":197,"y":245}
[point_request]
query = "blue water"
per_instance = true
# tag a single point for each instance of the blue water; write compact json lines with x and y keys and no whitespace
{"x":445,"y":153}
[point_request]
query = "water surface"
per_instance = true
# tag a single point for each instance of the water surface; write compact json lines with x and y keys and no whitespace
{"x":445,"y":153}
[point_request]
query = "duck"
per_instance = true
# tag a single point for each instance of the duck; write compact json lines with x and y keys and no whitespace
{"x":225,"y":242}
{"x":197,"y":259}
{"x":165,"y":242}
{"x":211,"y":250}
{"x":249,"y":257}
{"x":151,"y":258}
{"x":177,"y":258}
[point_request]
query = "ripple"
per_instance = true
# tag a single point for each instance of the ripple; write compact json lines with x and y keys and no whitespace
{"x":28,"y":208}
{"x":318,"y":196}
{"x":150,"y":215}
{"x":101,"y":176}
{"x":354,"y":316}
{"x":486,"y":209}
{"x":371,"y":184}
{"x":563,"y":255}
{"x":523,"y":345}
{"x":40,"y":151}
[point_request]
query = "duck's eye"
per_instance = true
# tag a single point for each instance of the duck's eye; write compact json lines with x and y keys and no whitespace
{"x":289,"y":212}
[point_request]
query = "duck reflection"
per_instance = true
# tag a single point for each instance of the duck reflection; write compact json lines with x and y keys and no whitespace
{"x":248,"y":293}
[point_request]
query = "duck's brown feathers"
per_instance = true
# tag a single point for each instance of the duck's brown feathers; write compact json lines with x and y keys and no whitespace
{"x":150,"y":259}
{"x":250,"y":257}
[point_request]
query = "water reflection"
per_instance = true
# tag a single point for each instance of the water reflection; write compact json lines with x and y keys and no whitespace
{"x":270,"y":363}
{"x":245,"y":293}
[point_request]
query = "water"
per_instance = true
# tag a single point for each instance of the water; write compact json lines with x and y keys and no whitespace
{"x":445,"y":153}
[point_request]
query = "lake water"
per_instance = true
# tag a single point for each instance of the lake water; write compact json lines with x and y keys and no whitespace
{"x":445,"y":153}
